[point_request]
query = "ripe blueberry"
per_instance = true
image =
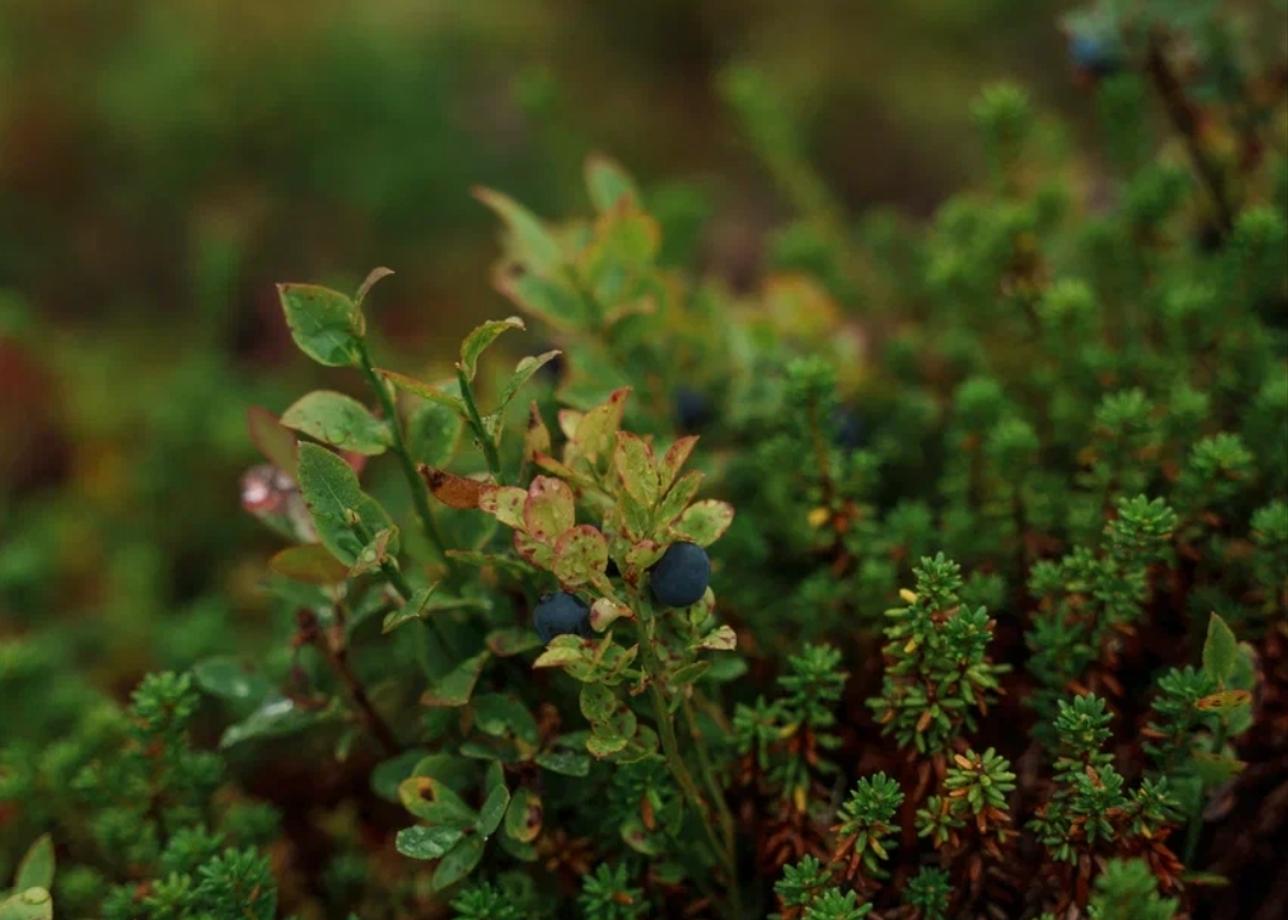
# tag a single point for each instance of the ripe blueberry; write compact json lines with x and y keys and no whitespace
{"x":561,"y":614}
{"x":692,"y":409}
{"x":1093,"y":54}
{"x":849,"y":431}
{"x":681,"y":576}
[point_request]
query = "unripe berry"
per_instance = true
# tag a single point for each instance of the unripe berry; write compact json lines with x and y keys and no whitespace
{"x":561,"y":614}
{"x":681,"y":576}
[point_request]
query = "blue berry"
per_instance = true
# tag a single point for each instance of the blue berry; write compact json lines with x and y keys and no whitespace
{"x":681,"y":576}
{"x":1093,"y":54}
{"x":561,"y":614}
{"x":692,"y":410}
{"x":849,"y":432}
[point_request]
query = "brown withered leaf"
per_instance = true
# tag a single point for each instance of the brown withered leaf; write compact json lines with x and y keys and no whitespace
{"x":455,"y":491}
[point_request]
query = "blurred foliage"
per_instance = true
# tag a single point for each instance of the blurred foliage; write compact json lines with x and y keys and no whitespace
{"x":1005,"y":364}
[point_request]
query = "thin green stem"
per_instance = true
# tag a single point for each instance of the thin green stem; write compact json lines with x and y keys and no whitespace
{"x":480,"y":430}
{"x":1195,"y":829}
{"x":419,"y":496}
{"x":723,"y":851}
{"x":708,"y":775}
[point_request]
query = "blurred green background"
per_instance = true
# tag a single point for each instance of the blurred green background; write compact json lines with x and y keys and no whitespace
{"x":164,"y":162}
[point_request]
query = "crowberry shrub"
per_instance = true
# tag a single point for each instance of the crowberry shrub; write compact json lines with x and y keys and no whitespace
{"x":937,"y":572}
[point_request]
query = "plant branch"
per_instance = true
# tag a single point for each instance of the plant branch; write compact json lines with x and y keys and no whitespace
{"x":723,"y":851}
{"x":336,"y":652}
{"x":1186,"y":123}
{"x":414,"y":482}
{"x":480,"y":430}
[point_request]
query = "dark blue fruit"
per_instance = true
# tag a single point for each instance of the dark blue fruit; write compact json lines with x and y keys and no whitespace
{"x":561,"y":614}
{"x":692,"y":410}
{"x":1093,"y":54}
{"x":849,"y":431}
{"x":681,"y":576}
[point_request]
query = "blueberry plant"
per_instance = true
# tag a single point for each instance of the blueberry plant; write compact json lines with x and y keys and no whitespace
{"x":942,"y":573}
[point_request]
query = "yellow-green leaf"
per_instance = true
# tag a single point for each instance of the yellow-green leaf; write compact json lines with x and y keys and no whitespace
{"x":480,"y":338}
{"x":326,"y":325}
{"x":338,"y":420}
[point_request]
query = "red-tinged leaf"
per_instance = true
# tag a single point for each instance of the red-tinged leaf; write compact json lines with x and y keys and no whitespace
{"x":505,"y":503}
{"x":674,"y":459}
{"x":633,"y":460}
{"x":272,"y":439}
{"x":581,"y":553}
{"x":542,"y":555}
{"x":1224,"y":699}
{"x":605,"y":611}
{"x":374,"y":277}
{"x":536,"y":439}
{"x":704,"y":522}
{"x":549,"y":509}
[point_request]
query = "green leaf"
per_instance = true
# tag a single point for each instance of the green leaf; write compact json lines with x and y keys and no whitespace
{"x":605,"y":611}
{"x":310,"y":563}
{"x":375,"y":555}
{"x":551,"y":300}
{"x":455,"y":688}
{"x":598,"y":703}
{"x":1215,"y":768}
{"x":704,"y":522}
{"x":608,"y":184}
{"x":387,"y":775}
{"x":605,"y":744}
{"x":493,"y":810}
{"x":338,"y":420}
{"x":434,"y":434}
{"x":326,"y":325}
{"x":459,"y":863}
{"x":721,"y":639}
{"x":499,"y":714}
{"x":334,"y":498}
{"x":581,"y":555}
{"x":480,"y":338}
{"x":223,"y":676}
{"x":549,"y":509}
{"x":275,"y":717}
{"x":597,"y":430}
{"x":28,"y":904}
{"x":1220,"y":650}
{"x":420,"y":842}
{"x":565,"y":763}
{"x":36,"y":870}
{"x":523,"y":817}
{"x":523,"y":372}
{"x":506,"y":504}
{"x":689,"y":673}
{"x":434,"y":394}
{"x":633,"y":459}
{"x":561,"y":651}
{"x":432,"y":800}
{"x":503,"y":643}
{"x":415,"y":608}
{"x":529,"y":241}
{"x":679,"y":496}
